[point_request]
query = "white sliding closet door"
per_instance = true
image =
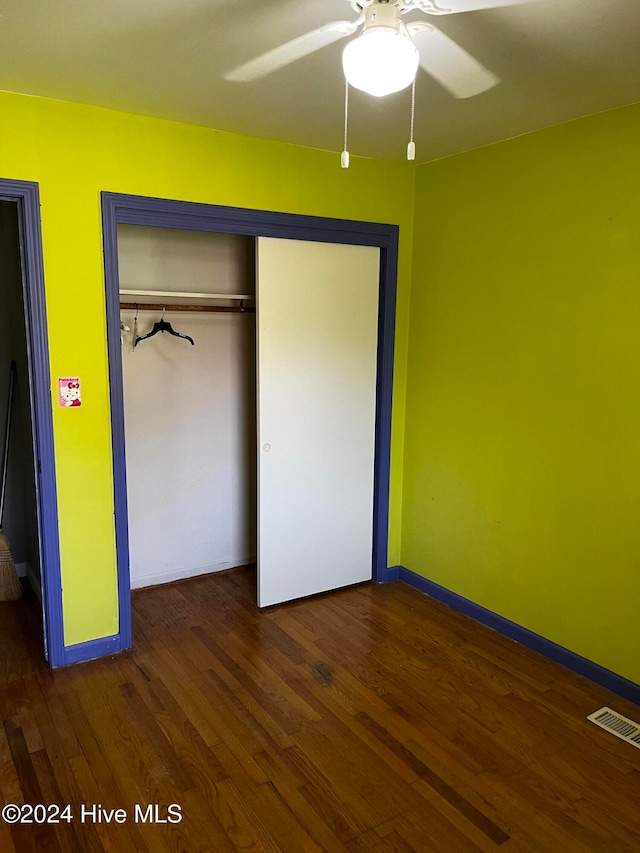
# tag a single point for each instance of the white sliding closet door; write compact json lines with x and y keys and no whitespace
{"x":317,"y":323}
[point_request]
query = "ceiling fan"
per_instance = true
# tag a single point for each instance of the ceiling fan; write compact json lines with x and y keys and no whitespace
{"x":385,"y":56}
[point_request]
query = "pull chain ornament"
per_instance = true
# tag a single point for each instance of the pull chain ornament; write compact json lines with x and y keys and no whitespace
{"x":344,"y":157}
{"x":411,"y":147}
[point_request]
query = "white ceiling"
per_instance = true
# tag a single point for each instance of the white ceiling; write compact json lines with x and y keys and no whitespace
{"x":557,"y":60}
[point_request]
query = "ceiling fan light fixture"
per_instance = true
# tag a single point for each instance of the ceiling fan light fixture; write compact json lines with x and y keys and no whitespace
{"x":380,"y":61}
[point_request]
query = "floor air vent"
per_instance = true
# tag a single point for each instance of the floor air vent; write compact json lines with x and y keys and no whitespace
{"x":618,"y":725}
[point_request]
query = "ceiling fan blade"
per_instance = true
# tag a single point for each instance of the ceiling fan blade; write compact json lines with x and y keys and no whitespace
{"x":291,"y":51}
{"x":449,"y":64}
{"x":456,"y":7}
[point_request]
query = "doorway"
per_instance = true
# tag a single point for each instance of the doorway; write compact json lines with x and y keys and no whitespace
{"x":30,"y":503}
{"x":20,"y":509}
{"x":131,"y":210}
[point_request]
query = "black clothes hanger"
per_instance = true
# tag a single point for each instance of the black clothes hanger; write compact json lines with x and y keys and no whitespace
{"x":162,"y":326}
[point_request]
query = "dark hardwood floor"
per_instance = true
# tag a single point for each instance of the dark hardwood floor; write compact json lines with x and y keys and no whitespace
{"x":370,"y":719}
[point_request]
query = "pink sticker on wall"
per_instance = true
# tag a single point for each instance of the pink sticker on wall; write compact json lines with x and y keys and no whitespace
{"x":69,"y":391}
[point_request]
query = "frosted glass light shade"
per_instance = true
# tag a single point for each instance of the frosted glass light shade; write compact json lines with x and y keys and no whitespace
{"x":380,"y":61}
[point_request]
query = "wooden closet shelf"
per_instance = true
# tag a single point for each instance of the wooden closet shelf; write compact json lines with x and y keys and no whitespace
{"x":211,"y":309}
{"x":186,"y":295}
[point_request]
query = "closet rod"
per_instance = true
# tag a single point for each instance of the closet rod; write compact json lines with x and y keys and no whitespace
{"x":177,"y":293}
{"x":212,"y":309}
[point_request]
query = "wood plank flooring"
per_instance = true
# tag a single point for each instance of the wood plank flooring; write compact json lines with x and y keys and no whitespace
{"x":370,"y":719}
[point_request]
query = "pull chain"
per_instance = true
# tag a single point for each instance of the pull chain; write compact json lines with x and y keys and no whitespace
{"x":344,"y":158}
{"x":411,"y":147}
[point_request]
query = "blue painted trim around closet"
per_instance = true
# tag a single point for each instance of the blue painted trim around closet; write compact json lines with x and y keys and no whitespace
{"x":26,"y":195}
{"x":110,"y":248}
{"x":193,"y":216}
{"x":384,"y":394}
{"x":93,"y":649}
{"x":582,"y":666}
{"x":118,"y":209}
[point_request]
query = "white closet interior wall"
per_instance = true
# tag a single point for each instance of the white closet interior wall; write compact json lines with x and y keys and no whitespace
{"x":190,"y":427}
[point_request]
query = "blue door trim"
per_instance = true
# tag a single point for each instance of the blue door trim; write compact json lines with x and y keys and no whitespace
{"x":120,"y":209}
{"x":26,"y":195}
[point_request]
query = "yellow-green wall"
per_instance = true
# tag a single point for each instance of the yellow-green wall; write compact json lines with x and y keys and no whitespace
{"x":521,"y":454}
{"x":74,"y":152}
{"x":522,"y":443}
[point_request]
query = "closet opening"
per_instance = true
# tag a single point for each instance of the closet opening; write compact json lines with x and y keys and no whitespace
{"x":313,"y":414}
{"x":21,"y":619}
{"x":189,"y":389}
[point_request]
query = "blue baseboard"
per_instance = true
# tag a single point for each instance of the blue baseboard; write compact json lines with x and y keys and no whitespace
{"x":392,"y":574}
{"x":92,"y":649}
{"x":587,"y":668}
